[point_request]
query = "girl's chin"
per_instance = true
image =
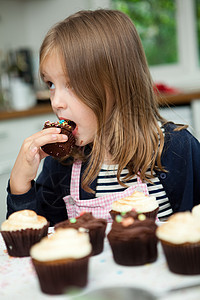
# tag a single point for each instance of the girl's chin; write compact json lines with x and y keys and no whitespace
{"x":80,"y":142}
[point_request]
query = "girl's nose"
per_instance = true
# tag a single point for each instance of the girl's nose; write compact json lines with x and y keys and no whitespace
{"x":58,"y":100}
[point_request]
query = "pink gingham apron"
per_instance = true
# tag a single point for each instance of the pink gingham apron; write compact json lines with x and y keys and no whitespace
{"x":99,"y":207}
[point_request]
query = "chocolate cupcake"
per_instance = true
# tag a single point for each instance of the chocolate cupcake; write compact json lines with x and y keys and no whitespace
{"x":22,"y":230}
{"x":180,"y":240}
{"x":96,"y":228}
{"x":61,"y":260}
{"x":138,"y":201}
{"x":60,"y":149}
{"x":133,"y":240}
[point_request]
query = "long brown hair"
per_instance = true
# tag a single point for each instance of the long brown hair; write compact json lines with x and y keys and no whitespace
{"x":105,"y":62}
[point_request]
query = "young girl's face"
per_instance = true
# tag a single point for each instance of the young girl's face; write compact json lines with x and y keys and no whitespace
{"x":65,"y":103}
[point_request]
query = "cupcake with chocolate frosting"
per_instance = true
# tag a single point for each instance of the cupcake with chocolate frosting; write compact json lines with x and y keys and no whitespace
{"x":133,"y":240}
{"x":148,"y":205}
{"x":21,"y":230}
{"x":60,"y":149}
{"x":61,"y":260}
{"x":180,"y":239}
{"x":95,"y":226}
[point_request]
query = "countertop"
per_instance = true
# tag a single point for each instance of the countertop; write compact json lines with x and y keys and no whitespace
{"x":36,"y":110}
{"x":164,"y":99}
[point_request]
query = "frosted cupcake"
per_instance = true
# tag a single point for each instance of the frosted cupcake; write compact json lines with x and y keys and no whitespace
{"x":133,"y":240}
{"x":61,"y":261}
{"x":180,"y":239}
{"x":21,"y":230}
{"x":196,"y":211}
{"x":95,"y":226}
{"x":139,"y":202}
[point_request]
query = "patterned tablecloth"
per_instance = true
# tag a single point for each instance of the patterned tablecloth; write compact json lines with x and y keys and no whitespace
{"x":19,"y":281}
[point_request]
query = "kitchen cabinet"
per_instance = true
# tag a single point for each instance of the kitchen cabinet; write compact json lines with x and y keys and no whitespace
{"x":12,"y":134}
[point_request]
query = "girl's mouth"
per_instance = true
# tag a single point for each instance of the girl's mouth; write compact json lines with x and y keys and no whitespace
{"x":75,"y":130}
{"x":72,"y":124}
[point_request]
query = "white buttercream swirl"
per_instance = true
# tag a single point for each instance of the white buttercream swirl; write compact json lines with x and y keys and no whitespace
{"x":196,"y":211}
{"x":65,"y":243}
{"x":180,"y":228}
{"x":23,"y":219}
{"x":138,"y":201}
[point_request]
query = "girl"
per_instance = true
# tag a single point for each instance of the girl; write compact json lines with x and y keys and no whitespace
{"x":94,"y":65}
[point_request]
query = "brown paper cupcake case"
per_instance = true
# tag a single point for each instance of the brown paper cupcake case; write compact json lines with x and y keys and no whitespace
{"x":182,"y":259}
{"x":97,"y":239}
{"x":19,"y":242}
{"x":57,"y":277}
{"x":134,"y":252}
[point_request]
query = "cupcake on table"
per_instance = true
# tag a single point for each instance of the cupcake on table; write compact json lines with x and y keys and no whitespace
{"x":61,"y":260}
{"x":180,"y":239}
{"x":141,"y":203}
{"x":96,"y":228}
{"x":22,"y":230}
{"x":133,"y":240}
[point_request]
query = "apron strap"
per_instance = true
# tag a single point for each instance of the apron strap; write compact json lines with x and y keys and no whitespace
{"x":75,"y":179}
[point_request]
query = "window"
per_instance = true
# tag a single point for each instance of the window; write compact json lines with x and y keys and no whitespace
{"x":155,"y":21}
{"x":170,"y":33}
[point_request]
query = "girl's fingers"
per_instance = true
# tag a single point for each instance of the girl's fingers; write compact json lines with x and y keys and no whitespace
{"x":44,"y":132}
{"x":40,"y":140}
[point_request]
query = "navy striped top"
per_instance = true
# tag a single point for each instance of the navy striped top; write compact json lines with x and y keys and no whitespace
{"x":107,"y":183}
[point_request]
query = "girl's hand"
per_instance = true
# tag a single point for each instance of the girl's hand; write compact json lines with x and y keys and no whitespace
{"x":29,"y":157}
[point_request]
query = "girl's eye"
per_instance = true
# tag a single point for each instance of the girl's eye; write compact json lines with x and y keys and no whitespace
{"x":50,"y":85}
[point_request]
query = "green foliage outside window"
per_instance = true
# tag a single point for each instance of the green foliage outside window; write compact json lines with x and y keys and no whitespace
{"x":155,"y":21}
{"x":198,"y":23}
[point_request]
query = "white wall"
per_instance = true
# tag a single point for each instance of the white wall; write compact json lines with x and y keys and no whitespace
{"x":24,"y":23}
{"x":12,"y":29}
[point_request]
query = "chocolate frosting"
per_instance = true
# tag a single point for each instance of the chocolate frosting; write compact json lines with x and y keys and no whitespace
{"x":141,"y":229}
{"x":86,"y":220}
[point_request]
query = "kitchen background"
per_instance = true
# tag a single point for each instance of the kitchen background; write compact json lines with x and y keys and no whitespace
{"x":24,"y":104}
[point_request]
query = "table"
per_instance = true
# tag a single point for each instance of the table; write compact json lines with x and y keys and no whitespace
{"x":18,"y":279}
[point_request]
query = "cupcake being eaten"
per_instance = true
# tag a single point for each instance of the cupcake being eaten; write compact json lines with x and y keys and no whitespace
{"x":61,"y":260}
{"x":60,"y":149}
{"x":138,"y":201}
{"x":21,"y":230}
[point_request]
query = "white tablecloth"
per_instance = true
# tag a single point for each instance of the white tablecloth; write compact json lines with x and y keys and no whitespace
{"x":18,"y":279}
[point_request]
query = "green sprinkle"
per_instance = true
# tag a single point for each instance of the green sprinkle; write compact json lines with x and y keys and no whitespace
{"x":118,"y":218}
{"x":72,"y":220}
{"x":123,"y":213}
{"x":142,"y":217}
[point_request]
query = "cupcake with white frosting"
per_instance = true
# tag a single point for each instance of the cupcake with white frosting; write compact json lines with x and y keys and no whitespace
{"x":196,"y":211}
{"x":21,"y":230}
{"x":138,"y":201}
{"x":95,"y":226}
{"x":180,"y":239}
{"x":61,"y":260}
